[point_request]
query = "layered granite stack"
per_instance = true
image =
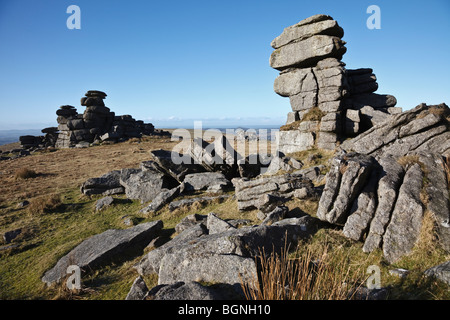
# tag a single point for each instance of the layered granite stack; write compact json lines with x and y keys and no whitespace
{"x":328,"y":101}
{"x":97,"y":123}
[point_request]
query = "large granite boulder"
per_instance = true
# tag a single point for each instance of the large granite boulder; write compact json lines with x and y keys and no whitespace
{"x":103,"y":248}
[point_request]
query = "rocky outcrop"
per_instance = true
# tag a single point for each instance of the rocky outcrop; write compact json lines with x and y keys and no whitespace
{"x":385,"y":209}
{"x":407,"y":175}
{"x":424,"y":128}
{"x":103,"y":248}
{"x":95,"y":125}
{"x":329,"y":102}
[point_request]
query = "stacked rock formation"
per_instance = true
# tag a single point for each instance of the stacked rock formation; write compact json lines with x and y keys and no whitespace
{"x":97,"y":123}
{"x":328,"y":101}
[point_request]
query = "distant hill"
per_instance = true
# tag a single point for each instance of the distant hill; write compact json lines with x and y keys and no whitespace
{"x":10,"y":136}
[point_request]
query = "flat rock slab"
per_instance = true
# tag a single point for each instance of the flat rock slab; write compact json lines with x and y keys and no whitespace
{"x":103,"y":248}
{"x":406,"y":220}
{"x":308,"y":52}
{"x":211,"y":181}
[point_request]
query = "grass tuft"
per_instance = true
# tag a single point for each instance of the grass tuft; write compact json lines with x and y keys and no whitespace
{"x":309,"y":275}
{"x":44,"y":204}
{"x":25,"y":173}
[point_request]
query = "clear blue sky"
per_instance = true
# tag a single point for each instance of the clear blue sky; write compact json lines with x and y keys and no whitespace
{"x":162,"y":61}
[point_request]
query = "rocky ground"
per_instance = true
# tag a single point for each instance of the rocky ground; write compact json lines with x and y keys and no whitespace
{"x":353,"y":201}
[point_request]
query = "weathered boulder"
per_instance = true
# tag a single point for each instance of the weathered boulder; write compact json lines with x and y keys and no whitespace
{"x":138,"y":290}
{"x":441,"y":272}
{"x":161,"y":199}
{"x":150,"y":263}
{"x":11,"y":235}
{"x":286,"y":164}
{"x":216,"y":225}
{"x":182,"y":291}
{"x":187,"y":266}
{"x":190,"y":221}
{"x":363,"y":210}
{"x":277,"y":214}
{"x":217,"y":156}
{"x":294,"y":141}
{"x":107,"y":184}
{"x":175,"y":164}
{"x":438,"y":195}
{"x":103,"y":248}
{"x":200,"y":200}
{"x":209,"y":181}
{"x":248,"y":192}
{"x":145,"y":185}
{"x":103,"y":202}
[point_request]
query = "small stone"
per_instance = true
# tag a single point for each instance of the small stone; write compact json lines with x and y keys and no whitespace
{"x":104,"y":202}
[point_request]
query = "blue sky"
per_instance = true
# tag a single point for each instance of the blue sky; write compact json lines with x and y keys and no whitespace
{"x":173,"y":62}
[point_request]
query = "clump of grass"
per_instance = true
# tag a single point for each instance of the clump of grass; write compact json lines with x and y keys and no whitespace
{"x":313,"y":157}
{"x":309,"y":275}
{"x":408,"y":160}
{"x":314,"y":114}
{"x":44,"y":204}
{"x":447,"y":169}
{"x":25,"y":173}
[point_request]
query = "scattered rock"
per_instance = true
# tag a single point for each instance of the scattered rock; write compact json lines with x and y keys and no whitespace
{"x":248,"y":192}
{"x":275,"y":215}
{"x":216,"y":225}
{"x":193,"y":291}
{"x":190,"y":221}
{"x":103,"y":202}
{"x":138,"y":290}
{"x":190,"y":201}
{"x":161,"y":199}
{"x":145,"y":185}
{"x":441,"y":272}
{"x":210,"y":181}
{"x":11,"y":235}
{"x":399,"y":272}
{"x":22,"y":204}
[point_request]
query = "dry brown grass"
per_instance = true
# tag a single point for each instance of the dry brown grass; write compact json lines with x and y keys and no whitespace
{"x":44,"y":204}
{"x":311,"y":275}
{"x":25,"y":173}
{"x":439,"y":110}
{"x":69,"y":168}
{"x":447,"y":169}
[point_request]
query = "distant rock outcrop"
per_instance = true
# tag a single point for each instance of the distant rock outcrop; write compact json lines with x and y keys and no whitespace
{"x":329,"y":102}
{"x":97,"y":124}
